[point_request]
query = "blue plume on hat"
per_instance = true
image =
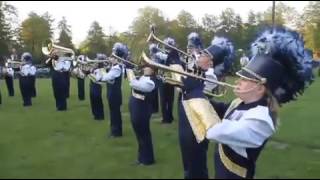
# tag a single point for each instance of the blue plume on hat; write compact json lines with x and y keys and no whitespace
{"x":120,"y":50}
{"x":153,"y":49}
{"x":285,"y":48}
{"x":160,"y":57}
{"x":26,"y":57}
{"x":170,"y":41}
{"x":194,"y":41}
{"x":222,"y":53}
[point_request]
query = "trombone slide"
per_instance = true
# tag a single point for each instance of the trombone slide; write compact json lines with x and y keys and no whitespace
{"x":166,"y":68}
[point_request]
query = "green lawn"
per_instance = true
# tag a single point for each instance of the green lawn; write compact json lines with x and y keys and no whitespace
{"x":38,"y":142}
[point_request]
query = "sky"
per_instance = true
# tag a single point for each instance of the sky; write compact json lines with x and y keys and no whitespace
{"x":120,"y":14}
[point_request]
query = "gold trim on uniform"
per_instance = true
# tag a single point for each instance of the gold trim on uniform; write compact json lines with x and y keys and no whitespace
{"x":231,"y":166}
{"x":234,"y":104}
{"x":201,"y":116}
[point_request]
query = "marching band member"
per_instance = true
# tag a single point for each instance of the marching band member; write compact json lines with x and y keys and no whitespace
{"x":1,"y":73}
{"x":26,"y":79}
{"x":153,"y":50}
{"x":96,"y":90}
{"x":194,"y":155}
{"x":140,"y":107}
{"x":114,"y":91}
{"x":61,"y":65}
{"x":243,"y":127}
{"x":9,"y":77}
{"x":166,"y":89}
{"x":244,"y":60}
{"x":80,"y":75}
{"x":0,"y":97}
{"x":81,"y":88}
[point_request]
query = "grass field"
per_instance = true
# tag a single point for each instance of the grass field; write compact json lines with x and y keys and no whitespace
{"x":38,"y":142}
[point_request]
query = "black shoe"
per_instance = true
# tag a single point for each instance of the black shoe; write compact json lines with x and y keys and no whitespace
{"x":138,"y":163}
{"x":165,"y":122}
{"x":111,"y":136}
{"x":99,"y":118}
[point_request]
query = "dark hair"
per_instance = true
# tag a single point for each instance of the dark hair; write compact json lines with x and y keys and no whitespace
{"x":273,"y":105}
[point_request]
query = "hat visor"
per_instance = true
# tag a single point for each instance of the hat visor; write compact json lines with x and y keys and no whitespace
{"x":246,"y":75}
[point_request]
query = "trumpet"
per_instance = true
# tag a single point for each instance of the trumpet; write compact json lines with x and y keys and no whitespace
{"x":181,"y":72}
{"x":101,"y":71}
{"x":14,"y":64}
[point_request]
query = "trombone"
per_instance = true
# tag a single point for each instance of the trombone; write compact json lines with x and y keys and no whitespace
{"x":124,"y":60}
{"x":153,"y":37}
{"x":166,"y":68}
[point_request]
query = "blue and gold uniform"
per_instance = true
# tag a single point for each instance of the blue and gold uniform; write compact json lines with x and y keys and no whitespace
{"x":27,"y":79}
{"x":96,"y":102}
{"x":140,"y":106}
{"x":59,"y":74}
{"x":243,"y":127}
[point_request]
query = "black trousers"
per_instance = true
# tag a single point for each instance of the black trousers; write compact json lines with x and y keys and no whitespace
{"x":167,"y":98}
{"x":67,"y":76}
{"x":81,"y":91}
{"x":140,"y":112}
{"x":0,"y":98}
{"x":96,"y":101}
{"x":115,"y":117}
{"x":194,"y":155}
{"x":34,"y":91}
{"x":9,"y":82}
{"x":60,"y":88}
{"x":26,"y":89}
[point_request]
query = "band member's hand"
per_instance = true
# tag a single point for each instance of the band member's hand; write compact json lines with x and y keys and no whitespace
{"x":54,"y":57}
{"x":190,"y":84}
{"x":128,"y":65}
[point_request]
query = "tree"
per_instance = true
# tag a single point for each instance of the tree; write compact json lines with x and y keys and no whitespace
{"x":186,"y":24}
{"x":140,"y":28}
{"x":283,"y":15}
{"x":8,"y":15}
{"x":34,"y":31}
{"x":210,"y":23}
{"x":65,"y":37}
{"x":95,"y":41}
{"x":251,"y":29}
{"x":186,"y":20}
{"x":310,"y":27}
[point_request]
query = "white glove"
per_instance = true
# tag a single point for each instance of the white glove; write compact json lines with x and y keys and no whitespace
{"x":10,"y":72}
{"x":210,"y":75}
